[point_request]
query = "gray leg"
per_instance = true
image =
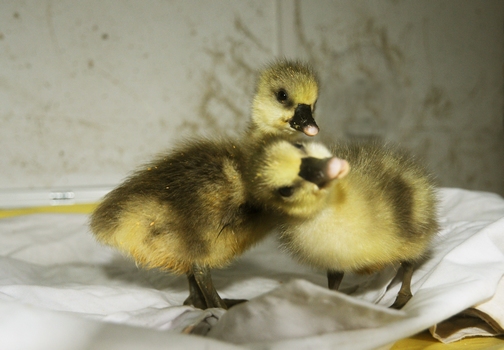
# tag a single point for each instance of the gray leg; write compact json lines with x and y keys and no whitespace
{"x":203,"y":279}
{"x":404,"y":294}
{"x":195,"y":297}
{"x":334,"y":279}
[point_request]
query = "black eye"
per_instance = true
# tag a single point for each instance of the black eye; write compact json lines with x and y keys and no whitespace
{"x":299,"y":145}
{"x":282,"y":96}
{"x":286,"y":191}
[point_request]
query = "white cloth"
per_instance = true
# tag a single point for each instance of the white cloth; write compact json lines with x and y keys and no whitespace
{"x":59,"y":289}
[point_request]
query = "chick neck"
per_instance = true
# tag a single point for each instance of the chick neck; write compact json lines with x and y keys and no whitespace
{"x":257,"y":133}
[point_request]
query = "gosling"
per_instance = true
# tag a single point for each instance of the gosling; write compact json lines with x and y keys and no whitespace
{"x":189,"y":211}
{"x":377,"y":210}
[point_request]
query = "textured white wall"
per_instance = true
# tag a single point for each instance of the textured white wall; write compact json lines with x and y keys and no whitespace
{"x":427,"y":74}
{"x":91,"y":89}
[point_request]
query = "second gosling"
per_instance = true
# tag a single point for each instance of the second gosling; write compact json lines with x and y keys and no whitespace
{"x":378,"y":210}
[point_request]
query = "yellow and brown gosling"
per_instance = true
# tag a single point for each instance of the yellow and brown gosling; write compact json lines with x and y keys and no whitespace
{"x":378,"y":208}
{"x":189,"y":211}
{"x":186,"y":212}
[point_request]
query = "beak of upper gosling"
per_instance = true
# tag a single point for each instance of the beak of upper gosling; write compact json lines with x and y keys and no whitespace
{"x":303,"y":120}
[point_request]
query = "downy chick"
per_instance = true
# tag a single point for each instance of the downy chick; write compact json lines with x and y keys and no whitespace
{"x":379,"y":213}
{"x":186,"y":212}
{"x":189,"y":210}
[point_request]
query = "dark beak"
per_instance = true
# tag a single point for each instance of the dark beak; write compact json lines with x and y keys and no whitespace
{"x":303,"y":120}
{"x":315,"y":170}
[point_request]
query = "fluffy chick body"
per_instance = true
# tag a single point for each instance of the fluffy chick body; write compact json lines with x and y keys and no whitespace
{"x":383,"y":212}
{"x":187,"y":207}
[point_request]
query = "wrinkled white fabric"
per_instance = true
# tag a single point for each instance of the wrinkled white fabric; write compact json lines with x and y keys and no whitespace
{"x":59,"y":289}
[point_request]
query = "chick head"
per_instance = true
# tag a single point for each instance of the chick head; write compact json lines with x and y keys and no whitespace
{"x":286,"y":93}
{"x":295,"y":178}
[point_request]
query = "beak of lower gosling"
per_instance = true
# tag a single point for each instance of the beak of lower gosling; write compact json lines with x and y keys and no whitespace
{"x":303,"y":120}
{"x":322,"y":171}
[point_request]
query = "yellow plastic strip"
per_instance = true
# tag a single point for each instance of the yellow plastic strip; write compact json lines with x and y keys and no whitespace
{"x":63,"y":209}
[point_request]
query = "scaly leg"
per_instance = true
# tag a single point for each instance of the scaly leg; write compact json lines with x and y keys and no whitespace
{"x":404,"y":294}
{"x":334,"y":279}
{"x":195,"y":297}
{"x":203,"y":279}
